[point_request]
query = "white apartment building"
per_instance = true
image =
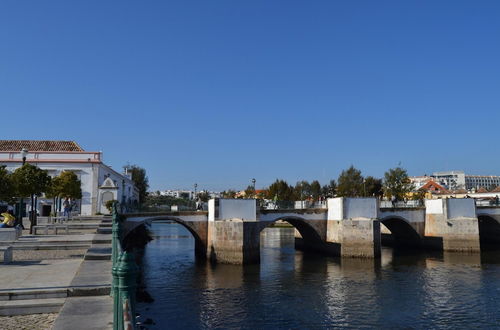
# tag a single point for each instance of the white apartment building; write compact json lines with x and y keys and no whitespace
{"x":178,"y":193}
{"x":187,"y":193}
{"x":100,"y":183}
{"x":454,"y":180}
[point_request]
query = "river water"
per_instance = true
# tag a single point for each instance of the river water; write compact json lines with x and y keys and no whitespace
{"x":296,"y":290}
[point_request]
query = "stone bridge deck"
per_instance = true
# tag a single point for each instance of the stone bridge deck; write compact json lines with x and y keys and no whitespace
{"x":229,"y":231}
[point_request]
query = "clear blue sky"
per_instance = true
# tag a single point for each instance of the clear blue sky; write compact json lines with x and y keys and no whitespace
{"x":219,"y":92}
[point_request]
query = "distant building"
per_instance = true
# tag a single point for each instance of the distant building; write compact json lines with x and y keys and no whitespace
{"x":187,"y":194}
{"x":434,"y":188}
{"x":420,"y":181}
{"x":458,"y":180}
{"x":100,"y":183}
{"x":451,"y":180}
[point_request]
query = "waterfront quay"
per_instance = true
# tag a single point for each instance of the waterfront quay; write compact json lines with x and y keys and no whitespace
{"x":58,"y":281}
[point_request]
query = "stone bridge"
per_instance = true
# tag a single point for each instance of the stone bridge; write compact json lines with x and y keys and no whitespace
{"x":349,"y":227}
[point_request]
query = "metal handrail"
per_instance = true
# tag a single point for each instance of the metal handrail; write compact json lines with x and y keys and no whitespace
{"x":124,"y":270}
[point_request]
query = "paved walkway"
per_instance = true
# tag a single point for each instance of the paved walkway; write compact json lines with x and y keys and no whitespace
{"x":85,"y":283}
{"x":86,"y":313}
{"x":43,"y":274}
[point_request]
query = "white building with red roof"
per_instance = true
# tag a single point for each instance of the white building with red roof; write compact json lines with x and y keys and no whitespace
{"x":100,"y":183}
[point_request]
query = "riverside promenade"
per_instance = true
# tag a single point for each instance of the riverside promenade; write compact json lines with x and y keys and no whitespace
{"x":59,"y":281}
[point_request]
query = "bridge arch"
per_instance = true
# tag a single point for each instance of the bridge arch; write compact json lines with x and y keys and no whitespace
{"x":198,"y":230}
{"x":489,"y":230}
{"x":312,"y":231}
{"x":402,"y":231}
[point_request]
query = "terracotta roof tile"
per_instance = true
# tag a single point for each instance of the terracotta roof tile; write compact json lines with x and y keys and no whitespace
{"x":433,"y":187}
{"x":39,"y":145}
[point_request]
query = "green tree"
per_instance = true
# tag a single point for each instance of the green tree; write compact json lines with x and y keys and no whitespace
{"x":373,"y":187}
{"x":329,"y":190}
{"x":397,"y":183}
{"x":350,"y":183}
{"x":228,"y":194}
{"x":204,"y":196}
{"x":30,"y":181}
{"x":6,"y":187}
{"x":141,"y":181}
{"x":315,"y":190}
{"x":302,"y":190}
{"x":281,"y":191}
{"x":67,"y":185}
{"x":250,"y":192}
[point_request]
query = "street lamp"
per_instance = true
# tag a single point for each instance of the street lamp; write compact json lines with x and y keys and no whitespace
{"x":24,"y":153}
{"x":195,"y":186}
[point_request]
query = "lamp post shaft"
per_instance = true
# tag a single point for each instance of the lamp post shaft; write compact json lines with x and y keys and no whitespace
{"x":20,"y":211}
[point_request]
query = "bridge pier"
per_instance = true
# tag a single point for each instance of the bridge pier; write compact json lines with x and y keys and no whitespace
{"x":233,"y":231}
{"x":234,"y":241}
{"x":451,"y":224}
{"x":352,"y":223}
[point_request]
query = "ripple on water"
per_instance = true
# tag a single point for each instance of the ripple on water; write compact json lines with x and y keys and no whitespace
{"x":291,"y":289}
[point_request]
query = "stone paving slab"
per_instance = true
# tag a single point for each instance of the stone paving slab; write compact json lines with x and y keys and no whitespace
{"x":99,"y":252}
{"x":44,"y":274}
{"x":93,"y":278}
{"x":31,"y":306}
{"x":55,"y":238}
{"x":86,"y":313}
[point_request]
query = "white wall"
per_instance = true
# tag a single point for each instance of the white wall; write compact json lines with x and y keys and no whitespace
{"x":461,"y":208}
{"x":364,"y":208}
{"x":245,"y":209}
{"x":434,"y":206}
{"x":90,"y":182}
{"x":335,"y":208}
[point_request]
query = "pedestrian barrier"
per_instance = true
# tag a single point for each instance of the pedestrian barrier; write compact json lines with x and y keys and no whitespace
{"x":124,"y":270}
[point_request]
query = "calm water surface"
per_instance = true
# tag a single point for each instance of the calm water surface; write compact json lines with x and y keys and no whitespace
{"x":295,"y":290}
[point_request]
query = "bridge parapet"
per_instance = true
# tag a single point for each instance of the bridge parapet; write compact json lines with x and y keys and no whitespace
{"x":306,"y":214}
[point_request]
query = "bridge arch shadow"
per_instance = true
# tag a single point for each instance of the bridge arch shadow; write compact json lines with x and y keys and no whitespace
{"x":310,"y":231}
{"x":197,"y":230}
{"x":489,"y":232}
{"x":402,"y":233}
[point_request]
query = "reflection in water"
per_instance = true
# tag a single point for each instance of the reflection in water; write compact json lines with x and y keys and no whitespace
{"x":293,"y":289}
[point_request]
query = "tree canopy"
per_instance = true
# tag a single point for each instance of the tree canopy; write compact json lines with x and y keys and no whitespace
{"x":228,"y":193}
{"x":329,"y":190}
{"x":315,"y":190}
{"x":66,"y":185}
{"x":397,"y":183}
{"x":6,"y":186}
{"x":280,"y":190}
{"x":141,"y":181}
{"x":30,"y":180}
{"x":203,"y":196}
{"x":350,"y":183}
{"x":250,"y":192}
{"x":373,"y":187}
{"x":302,"y":190}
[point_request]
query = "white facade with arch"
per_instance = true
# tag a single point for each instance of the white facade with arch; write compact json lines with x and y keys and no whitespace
{"x":96,"y":177}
